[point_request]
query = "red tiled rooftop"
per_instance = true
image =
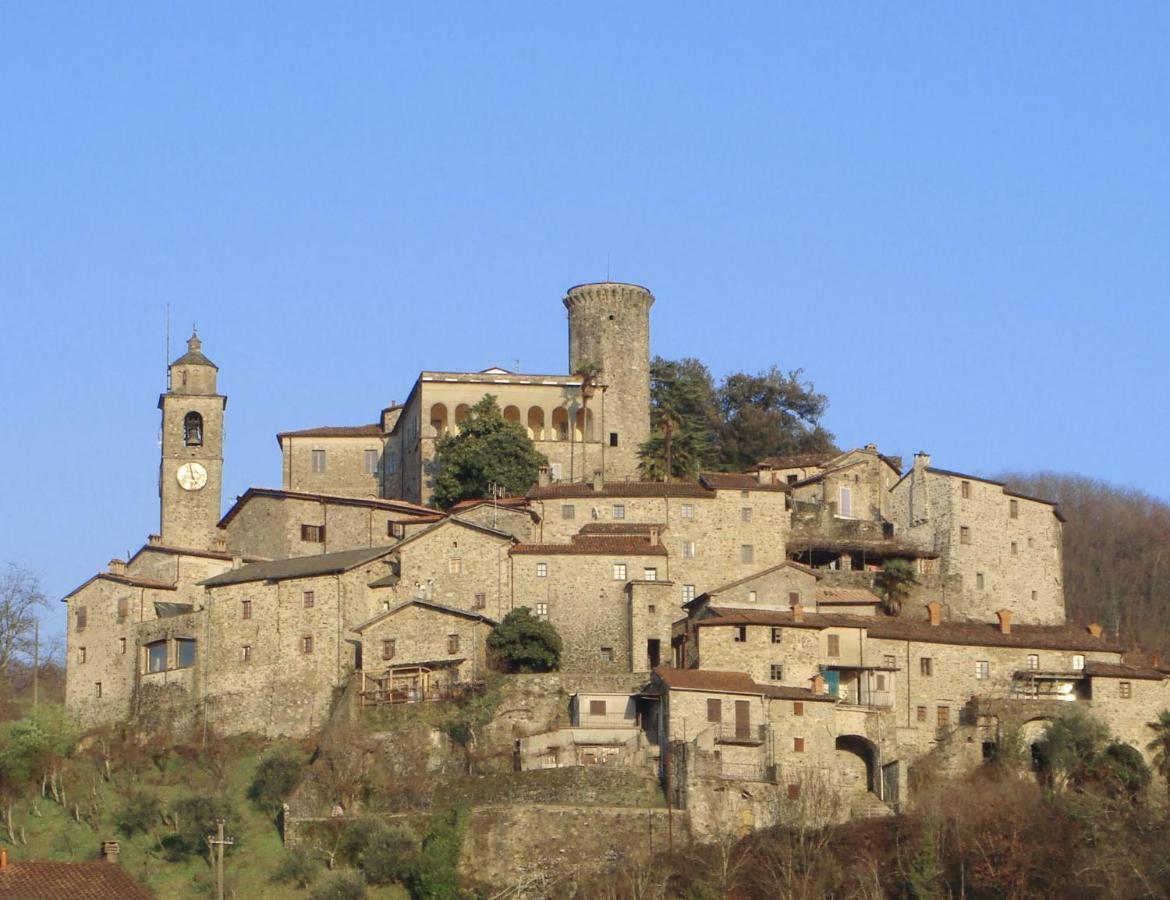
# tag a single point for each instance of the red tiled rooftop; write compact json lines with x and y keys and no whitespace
{"x":91,"y":880}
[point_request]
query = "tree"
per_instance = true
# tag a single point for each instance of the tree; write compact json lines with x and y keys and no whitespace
{"x":1160,"y":745}
{"x":1071,"y":748}
{"x":276,"y":777}
{"x":894,"y":581}
{"x":588,"y":371}
{"x":487,"y":451}
{"x":20,"y":599}
{"x":769,"y":414}
{"x":684,"y":416}
{"x":524,"y":643}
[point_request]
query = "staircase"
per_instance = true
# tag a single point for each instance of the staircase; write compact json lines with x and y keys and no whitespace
{"x":868,"y":806}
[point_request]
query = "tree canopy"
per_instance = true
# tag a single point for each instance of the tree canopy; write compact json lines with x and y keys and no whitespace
{"x":729,"y":427}
{"x":487,"y":451}
{"x":524,"y":643}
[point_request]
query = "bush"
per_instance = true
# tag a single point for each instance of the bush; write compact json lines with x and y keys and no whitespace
{"x":390,"y":854}
{"x":355,"y":838}
{"x":437,"y":877}
{"x":138,"y":814}
{"x":298,"y":869}
{"x":197,"y":817}
{"x":524,"y":643}
{"x":1122,"y":771}
{"x":275,"y":779}
{"x":344,"y":884}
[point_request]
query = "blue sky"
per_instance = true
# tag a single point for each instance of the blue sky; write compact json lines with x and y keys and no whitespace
{"x":954,"y":218}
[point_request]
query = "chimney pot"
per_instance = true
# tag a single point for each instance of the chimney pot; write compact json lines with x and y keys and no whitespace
{"x":542,"y":476}
{"x":934,"y":612}
{"x":797,"y":612}
{"x":1005,"y":621}
{"x":110,"y":850}
{"x":921,"y":459}
{"x":818,"y":684}
{"x":237,"y":562}
{"x":654,"y":537}
{"x":1095,"y":629}
{"x":117,"y":566}
{"x":154,"y":540}
{"x":872,"y":447}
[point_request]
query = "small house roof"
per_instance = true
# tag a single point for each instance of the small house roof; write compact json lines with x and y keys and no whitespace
{"x":426,"y":604}
{"x":24,"y":879}
{"x":299,"y":566}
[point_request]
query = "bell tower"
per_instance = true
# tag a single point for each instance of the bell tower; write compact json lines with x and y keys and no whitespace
{"x":190,"y":478}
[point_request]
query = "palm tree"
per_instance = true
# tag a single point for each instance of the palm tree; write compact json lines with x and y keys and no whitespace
{"x":587,"y":371}
{"x":894,"y":581}
{"x":1160,"y":745}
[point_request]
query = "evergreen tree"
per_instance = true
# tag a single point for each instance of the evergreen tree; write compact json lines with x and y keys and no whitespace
{"x":684,"y":415}
{"x":488,"y":450}
{"x":524,"y":643}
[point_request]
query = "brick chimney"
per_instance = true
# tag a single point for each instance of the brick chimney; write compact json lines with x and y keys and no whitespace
{"x":1095,"y":629}
{"x":154,"y":540}
{"x":921,"y":460}
{"x":542,"y":477}
{"x":654,"y":536}
{"x":598,"y":485}
{"x":220,"y":544}
{"x":237,"y":562}
{"x":818,"y":684}
{"x":1005,"y":621}
{"x":934,"y":612}
{"x":117,"y":567}
{"x":797,"y":612}
{"x":110,"y":850}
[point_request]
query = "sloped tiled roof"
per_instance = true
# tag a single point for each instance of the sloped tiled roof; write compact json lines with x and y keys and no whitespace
{"x":611,"y":528}
{"x":738,"y":481}
{"x":708,"y":680}
{"x":1118,"y":670}
{"x":91,"y":880}
{"x":578,"y":490}
{"x":128,"y":580}
{"x":594,"y":546}
{"x":396,"y":506}
{"x":299,"y":566}
{"x":796,"y":460}
{"x":328,"y":431}
{"x":426,"y":604}
{"x":521,"y":502}
{"x":787,"y":564}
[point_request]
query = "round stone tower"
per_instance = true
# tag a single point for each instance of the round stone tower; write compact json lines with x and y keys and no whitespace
{"x":609,"y":325}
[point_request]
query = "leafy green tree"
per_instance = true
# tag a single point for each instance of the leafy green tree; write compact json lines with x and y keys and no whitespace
{"x":1069,"y":750}
{"x":488,"y":450}
{"x":32,"y":747}
{"x":344,"y":884}
{"x":769,"y":414}
{"x":1122,"y":771}
{"x":684,"y":416}
{"x":524,"y":643}
{"x":195,"y":817}
{"x":1160,"y":745}
{"x":299,"y":869}
{"x":390,"y":855}
{"x":276,"y":777}
{"x":139,"y":813}
{"x":894,"y":582}
{"x":437,"y":876}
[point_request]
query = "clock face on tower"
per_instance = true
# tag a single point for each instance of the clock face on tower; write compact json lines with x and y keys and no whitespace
{"x":192,"y":476}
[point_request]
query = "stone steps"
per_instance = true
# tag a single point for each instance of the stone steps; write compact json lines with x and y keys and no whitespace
{"x":868,"y":806}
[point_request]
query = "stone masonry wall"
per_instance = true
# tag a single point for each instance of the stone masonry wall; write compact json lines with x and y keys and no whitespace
{"x":345,"y":466}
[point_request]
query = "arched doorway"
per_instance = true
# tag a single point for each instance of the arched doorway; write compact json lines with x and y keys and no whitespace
{"x":856,"y":764}
{"x":1031,"y":734}
{"x":536,"y":423}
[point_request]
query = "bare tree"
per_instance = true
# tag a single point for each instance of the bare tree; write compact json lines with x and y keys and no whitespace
{"x":21,"y":598}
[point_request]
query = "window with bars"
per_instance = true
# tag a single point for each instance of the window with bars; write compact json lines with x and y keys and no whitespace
{"x":982,"y":669}
{"x":452,"y":643}
{"x":245,"y":609}
{"x":370,"y":462}
{"x":619,"y":571}
{"x":318,"y":461}
{"x":1033,"y":661}
{"x":688,"y":593}
{"x":307,"y":644}
{"x":313,"y":534}
{"x":388,"y":648}
{"x":309,"y":598}
{"x":776,"y":672}
{"x":542,"y":570}
{"x":619,"y":511}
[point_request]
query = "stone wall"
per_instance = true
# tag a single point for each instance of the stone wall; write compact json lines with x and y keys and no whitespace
{"x":345,"y":465}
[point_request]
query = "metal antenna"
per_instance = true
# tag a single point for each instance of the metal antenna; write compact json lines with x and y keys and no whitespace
{"x":167,"y":361}
{"x":607,"y":267}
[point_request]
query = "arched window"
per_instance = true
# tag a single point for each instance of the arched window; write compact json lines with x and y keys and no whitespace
{"x":536,"y":423}
{"x":193,"y":430}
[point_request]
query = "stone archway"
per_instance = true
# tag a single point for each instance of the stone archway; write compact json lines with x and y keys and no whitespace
{"x":857,"y":764}
{"x":1031,"y":734}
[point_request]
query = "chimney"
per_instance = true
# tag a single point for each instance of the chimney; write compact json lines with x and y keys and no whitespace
{"x":117,"y":567}
{"x":237,"y":562}
{"x":542,"y":477}
{"x":154,"y":540}
{"x":654,"y":536}
{"x":1005,"y":621}
{"x":921,"y":460}
{"x":871,"y":447}
{"x":818,"y":684}
{"x":797,"y":612}
{"x":1095,"y":629}
{"x":110,"y":851}
{"x":3,"y":858}
{"x":220,"y":545}
{"x":598,"y":484}
{"x":934,"y":611}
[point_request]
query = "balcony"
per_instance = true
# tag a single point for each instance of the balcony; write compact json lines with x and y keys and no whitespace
{"x":740,"y":733}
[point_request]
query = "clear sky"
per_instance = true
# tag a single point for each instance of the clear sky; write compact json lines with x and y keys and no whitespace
{"x":954,"y":218}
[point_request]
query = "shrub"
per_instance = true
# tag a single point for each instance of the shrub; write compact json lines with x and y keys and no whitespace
{"x":275,"y":779}
{"x":355,"y":837}
{"x":298,"y":869}
{"x":437,"y":877}
{"x":1122,"y":771}
{"x":197,"y":816}
{"x":344,"y":884}
{"x":524,"y":643}
{"x":390,"y":854}
{"x":138,"y":814}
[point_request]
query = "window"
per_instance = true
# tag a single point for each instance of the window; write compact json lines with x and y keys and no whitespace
{"x":777,"y":634}
{"x":542,"y":610}
{"x":597,"y":707}
{"x":607,"y":654}
{"x":97,"y":689}
{"x":123,"y":608}
{"x":926,"y":666}
{"x":391,"y":463}
{"x":777,"y":672}
{"x":307,"y":644}
{"x":455,"y":565}
{"x":747,"y":553}
{"x":846,"y":506}
{"x":1078,"y":662}
{"x":1014,"y":508}
{"x":688,"y":549}
{"x":395,"y":530}
{"x":651,"y":607}
{"x":714,"y":710}
{"x":1033,"y":661}
{"x":879,"y":681}
{"x":798,"y":708}
{"x":542,"y":570}
{"x":792,"y":479}
{"x":1124,"y":690}
{"x":1015,"y":548}
{"x":944,"y":716}
{"x":310,"y":599}
{"x":964,"y":534}
{"x":122,"y":646}
{"x":370,"y":462}
{"x":619,"y":571}
{"x":687,"y":511}
{"x":982,"y":669}
{"x":186,"y":653}
{"x":388,"y":646}
{"x":834,"y":645}
{"x":1034,"y":596}
{"x":613,"y":438}
{"x":246,"y":653}
{"x":314,"y":534}
{"x":752,"y":596}
{"x":798,"y":745}
{"x":245,"y":609}
{"x":156,"y":656}
{"x":81,"y":654}
{"x":890,"y":661}
{"x":688,"y":593}
{"x":82,"y":617}
{"x":649,"y":574}
{"x":921,"y":714}
{"x":480,"y":601}
{"x":793,"y":598}
{"x":452,"y":643}
{"x":568,"y":511}
{"x":979,"y":581}
{"x":745,"y":514}
{"x":619,"y":511}
{"x":318,"y":461}
{"x":965,"y":490}
{"x":193,"y":429}
{"x":739,"y":634}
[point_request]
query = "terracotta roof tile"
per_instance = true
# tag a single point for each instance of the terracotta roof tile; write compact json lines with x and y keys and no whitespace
{"x":400,"y":506}
{"x":521,"y":502}
{"x":614,"y":528}
{"x":620,"y":489}
{"x":91,"y":880}
{"x":738,"y":481}
{"x":593,"y":546}
{"x":796,"y":460}
{"x":1118,"y":670}
{"x":708,"y":680}
{"x":335,"y":431}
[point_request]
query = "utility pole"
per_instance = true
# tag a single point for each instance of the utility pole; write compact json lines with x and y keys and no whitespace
{"x":217,"y":844}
